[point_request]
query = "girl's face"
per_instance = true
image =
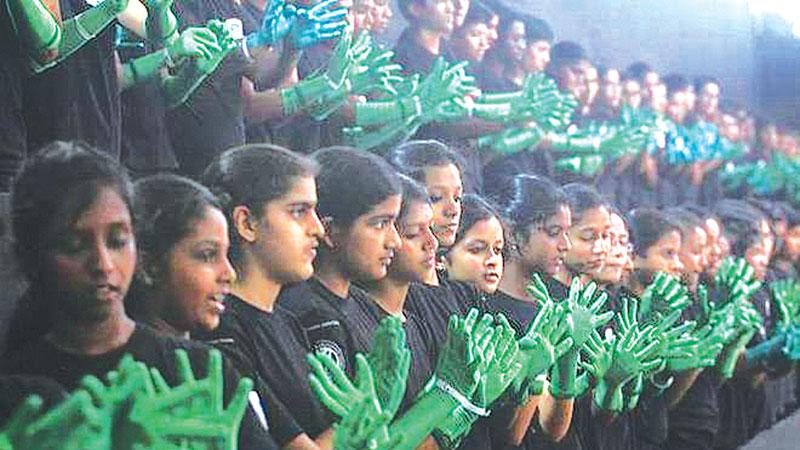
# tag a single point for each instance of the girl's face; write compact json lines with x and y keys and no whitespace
{"x":693,"y":252}
{"x":93,"y":262}
{"x":514,"y":42}
{"x":445,"y":190}
{"x":416,"y":258}
{"x":198,"y":276}
{"x":548,"y":243}
{"x":537,"y":56}
{"x":461,"y":7}
{"x":662,"y":256}
{"x":380,"y":14}
{"x":478,"y":257}
{"x":288,"y":234}
{"x":792,"y":243}
{"x":473,"y":41}
{"x":367,"y":247}
{"x":619,"y":254}
{"x":590,"y":242}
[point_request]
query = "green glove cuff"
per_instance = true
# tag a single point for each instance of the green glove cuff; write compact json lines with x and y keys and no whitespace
{"x":310,"y":92}
{"x":450,"y":433}
{"x":564,"y":374}
{"x":496,"y":112}
{"x":766,"y":353}
{"x":143,"y":69}
{"x":35,"y":27}
{"x":383,"y":112}
{"x":608,"y":398}
{"x":499,"y":97}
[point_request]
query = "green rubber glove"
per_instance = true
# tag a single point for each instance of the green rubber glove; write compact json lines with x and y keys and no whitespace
{"x":631,"y":392}
{"x":728,"y":359}
{"x":442,"y":92}
{"x":324,"y":92}
{"x":633,"y":354}
{"x":390,"y":360}
{"x":47,"y":42}
{"x":599,"y":353}
{"x":662,"y":297}
{"x":735,"y":279}
{"x":792,"y":348}
{"x":545,"y":341}
{"x":767,"y":353}
{"x":324,"y":21}
{"x":193,"y":72}
{"x":374,"y":70}
{"x":786,"y":294}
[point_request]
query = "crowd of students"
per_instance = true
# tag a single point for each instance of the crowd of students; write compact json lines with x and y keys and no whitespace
{"x":389,"y":249}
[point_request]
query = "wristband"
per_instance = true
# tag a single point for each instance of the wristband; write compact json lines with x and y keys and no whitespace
{"x":461,"y":399}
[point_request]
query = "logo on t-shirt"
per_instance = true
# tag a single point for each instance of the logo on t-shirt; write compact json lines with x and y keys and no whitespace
{"x":330,"y":349}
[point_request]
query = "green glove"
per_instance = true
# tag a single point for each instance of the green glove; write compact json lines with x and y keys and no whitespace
{"x":546,"y":341}
{"x":792,"y":347}
{"x":323,"y":93}
{"x":631,"y":392}
{"x":786,"y":294}
{"x":662,"y":297}
{"x":49,"y":43}
{"x":374,"y":70}
{"x":390,"y":360}
{"x":193,"y":72}
{"x":633,"y":354}
{"x":735,"y":279}
{"x":726,"y":363}
{"x":766,"y":353}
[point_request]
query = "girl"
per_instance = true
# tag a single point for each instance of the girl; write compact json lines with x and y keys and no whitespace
{"x":477,"y":255}
{"x":591,"y":220}
{"x":619,"y":264}
{"x":269,"y":197}
{"x":74,"y":237}
{"x":359,"y":201}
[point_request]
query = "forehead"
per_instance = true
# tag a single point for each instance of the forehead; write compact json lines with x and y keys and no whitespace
{"x":302,"y":189}
{"x":597,"y":217}
{"x":490,"y":228}
{"x":418,"y":212}
{"x":443,"y":176}
{"x":670,"y":239}
{"x":618,"y":225}
{"x":108,"y":208}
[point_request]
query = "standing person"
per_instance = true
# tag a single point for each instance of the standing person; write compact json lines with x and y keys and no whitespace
{"x":503,"y":68}
{"x":359,"y":201}
{"x":74,"y":236}
{"x":270,"y":198}
{"x":591,"y":220}
{"x":430,"y":23}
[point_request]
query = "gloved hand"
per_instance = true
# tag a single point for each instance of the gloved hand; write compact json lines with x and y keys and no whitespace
{"x":633,"y":354}
{"x":735,"y":279}
{"x":194,"y":42}
{"x":374,"y":70}
{"x":767,"y":353}
{"x":390,"y":360}
{"x":366,"y":425}
{"x":276,"y":23}
{"x":322,"y":22}
{"x":662,"y":297}
{"x":786,"y":294}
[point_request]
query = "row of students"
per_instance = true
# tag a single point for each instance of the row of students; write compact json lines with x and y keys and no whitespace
{"x":326,"y":246}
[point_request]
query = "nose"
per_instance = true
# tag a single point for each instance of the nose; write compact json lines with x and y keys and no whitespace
{"x":431,"y":243}
{"x":101,"y":260}
{"x":451,"y":208}
{"x":677,"y":265}
{"x":228,"y":272}
{"x":564,"y":244}
{"x":316,"y":228}
{"x":494,"y":260}
{"x":393,"y":240}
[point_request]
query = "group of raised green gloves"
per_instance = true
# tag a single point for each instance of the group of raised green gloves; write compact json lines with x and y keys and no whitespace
{"x":764,"y":178}
{"x":136,"y":408}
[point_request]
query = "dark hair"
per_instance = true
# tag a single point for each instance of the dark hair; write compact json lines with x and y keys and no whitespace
{"x":701,"y":82}
{"x":413,"y":192}
{"x":52,"y":189}
{"x":646,"y":227}
{"x":537,"y":29}
{"x":405,"y":9}
{"x":413,"y":157}
{"x":507,"y":19}
{"x":773,"y":210}
{"x":581,"y":198}
{"x":166,"y":208}
{"x":478,"y":12}
{"x":685,"y":219}
{"x":475,"y":209}
{"x":740,"y":223}
{"x":351,"y":182}
{"x":532,"y":200}
{"x":565,"y":55}
{"x":792,"y":214}
{"x":251,"y":176}
{"x":638,"y":71}
{"x":676,"y":82}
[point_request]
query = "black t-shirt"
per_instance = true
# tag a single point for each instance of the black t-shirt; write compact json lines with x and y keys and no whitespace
{"x":264,"y":345}
{"x":434,"y":305}
{"x":413,"y":57}
{"x":520,"y":313}
{"x":212,"y":119}
{"x":79,"y":98}
{"x":323,"y":319}
{"x":12,"y":125}
{"x":366,"y":320}
{"x":42,"y":358}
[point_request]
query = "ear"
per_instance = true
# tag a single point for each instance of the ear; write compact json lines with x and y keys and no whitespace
{"x":332,"y":232}
{"x":145,"y":269}
{"x":244,"y":222}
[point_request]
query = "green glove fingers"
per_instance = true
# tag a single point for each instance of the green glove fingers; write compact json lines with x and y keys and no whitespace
{"x":537,"y":290}
{"x":332,"y":386}
{"x":390,"y":360}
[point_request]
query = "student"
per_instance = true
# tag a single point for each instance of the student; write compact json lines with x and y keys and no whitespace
{"x":539,"y":216}
{"x":270,"y":199}
{"x":591,"y":220}
{"x":694,"y":245}
{"x":74,"y":237}
{"x":421,"y":43}
{"x":476,"y":257}
{"x":359,"y":201}
{"x":470,"y":41}
{"x":619,"y":264}
{"x":503,"y":67}
{"x":539,"y":38}
{"x":439,"y":170}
